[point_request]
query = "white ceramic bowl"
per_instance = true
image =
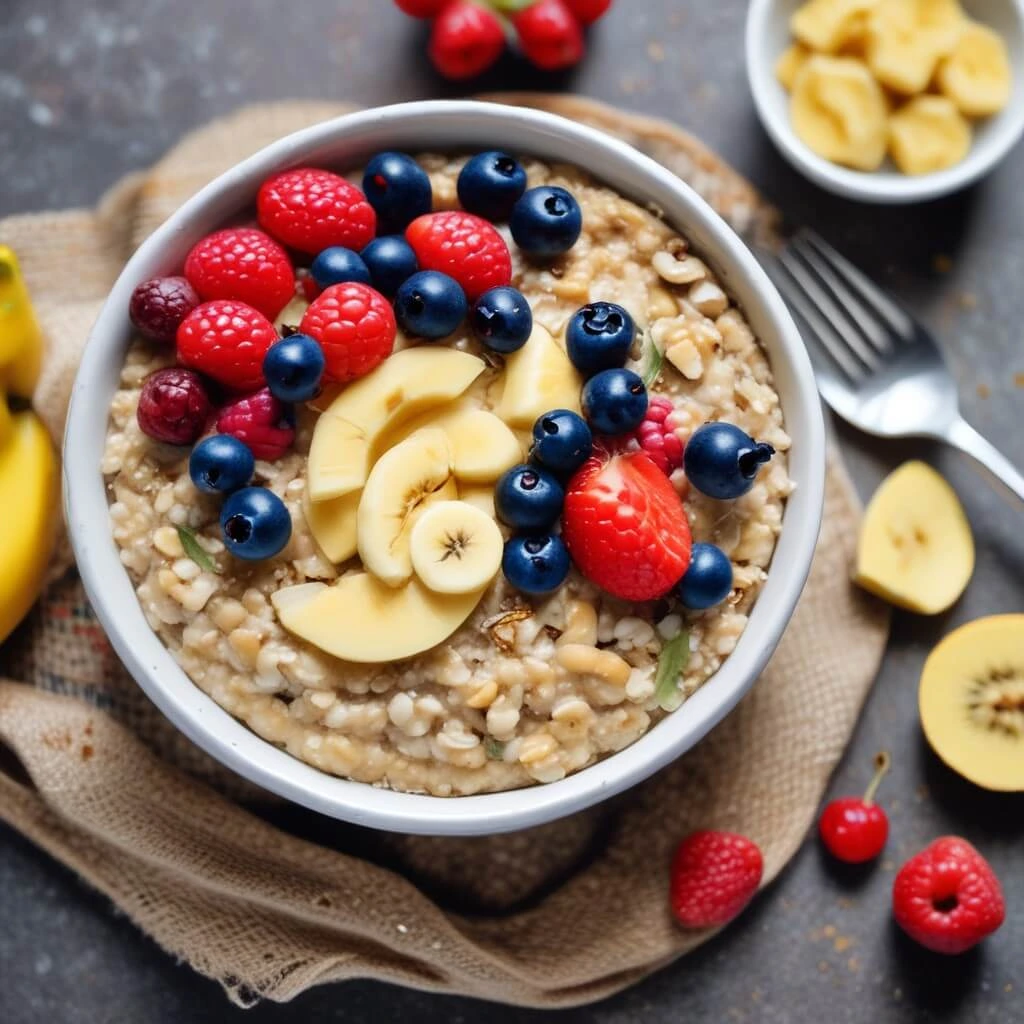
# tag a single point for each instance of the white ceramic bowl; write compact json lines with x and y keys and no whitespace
{"x":768,"y":35}
{"x":345,"y":143}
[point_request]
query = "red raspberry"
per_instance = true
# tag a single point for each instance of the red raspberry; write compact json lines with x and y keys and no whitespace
{"x":714,"y":876}
{"x":625,"y":525}
{"x":174,"y":406}
{"x":549,"y":34}
{"x":466,"y":40}
{"x":159,"y":305}
{"x":244,"y":264}
{"x":311,"y":210}
{"x":421,"y":8}
{"x":259,"y":421}
{"x":588,"y":11}
{"x":227,"y":341}
{"x":355,"y":326}
{"x":656,"y":436}
{"x":947,"y":897}
{"x":855,"y":829}
{"x":464,"y":247}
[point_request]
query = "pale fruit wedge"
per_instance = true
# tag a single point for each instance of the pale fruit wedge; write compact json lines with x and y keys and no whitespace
{"x":403,"y":385}
{"x":363,"y":620}
{"x":928,"y":134}
{"x":333,"y":524}
{"x":538,"y":378}
{"x":907,"y":38}
{"x":479,"y":495}
{"x":840,"y":111}
{"x":401,"y":484}
{"x":976,"y":76}
{"x":916,"y":549}
{"x":456,"y":548}
{"x":791,"y":61}
{"x":825,"y":25}
{"x":293,"y":312}
{"x":972,"y":702}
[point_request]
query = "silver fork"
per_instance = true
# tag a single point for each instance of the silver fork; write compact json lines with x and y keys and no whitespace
{"x":876,"y":366}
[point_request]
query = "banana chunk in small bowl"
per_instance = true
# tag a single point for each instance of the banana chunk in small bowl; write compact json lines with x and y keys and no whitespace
{"x":889,"y":101}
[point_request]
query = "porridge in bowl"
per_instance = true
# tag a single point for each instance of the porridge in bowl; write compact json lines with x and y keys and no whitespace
{"x":472,"y":498}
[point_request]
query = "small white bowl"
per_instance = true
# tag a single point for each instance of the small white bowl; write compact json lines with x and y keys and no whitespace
{"x":346,"y":143}
{"x":768,"y":35}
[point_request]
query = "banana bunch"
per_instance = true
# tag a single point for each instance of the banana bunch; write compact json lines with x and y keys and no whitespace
{"x":28,"y":466}
{"x":899,"y":77}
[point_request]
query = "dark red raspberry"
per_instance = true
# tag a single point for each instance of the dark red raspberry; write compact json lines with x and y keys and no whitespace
{"x":227,"y":341}
{"x":656,"y":435}
{"x":244,"y":264}
{"x":550,"y":35}
{"x":260,"y":422}
{"x":588,"y":11}
{"x":174,"y":406}
{"x":159,"y":305}
{"x":355,"y":326}
{"x":311,"y":210}
{"x":463,"y":246}
{"x":466,"y":40}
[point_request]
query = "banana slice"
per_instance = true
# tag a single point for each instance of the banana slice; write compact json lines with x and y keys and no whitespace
{"x":928,"y":134}
{"x":456,"y":548}
{"x":840,"y":111}
{"x":538,"y":377}
{"x":479,"y":495}
{"x":402,"y":483}
{"x":976,"y":76}
{"x":907,"y":38}
{"x":916,"y":549}
{"x":334,"y":524}
{"x":791,"y":61}
{"x":825,"y":25}
{"x":292,"y":313}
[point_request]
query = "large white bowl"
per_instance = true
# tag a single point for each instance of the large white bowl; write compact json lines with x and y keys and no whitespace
{"x":345,"y":143}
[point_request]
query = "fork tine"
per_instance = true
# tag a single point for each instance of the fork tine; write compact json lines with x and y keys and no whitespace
{"x":869,"y":292}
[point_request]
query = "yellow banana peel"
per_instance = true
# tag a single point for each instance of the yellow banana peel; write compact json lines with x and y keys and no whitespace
{"x":21,"y":341}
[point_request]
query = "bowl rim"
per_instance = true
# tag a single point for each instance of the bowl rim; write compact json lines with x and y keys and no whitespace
{"x":230,"y":741}
{"x":882,"y":187}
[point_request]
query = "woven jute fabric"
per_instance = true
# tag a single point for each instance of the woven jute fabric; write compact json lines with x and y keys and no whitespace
{"x":555,"y":916}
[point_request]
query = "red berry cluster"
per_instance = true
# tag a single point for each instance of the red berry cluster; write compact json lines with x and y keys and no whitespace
{"x":468,"y":36}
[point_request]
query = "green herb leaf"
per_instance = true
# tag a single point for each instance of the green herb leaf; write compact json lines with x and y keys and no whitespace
{"x":672,"y":664}
{"x":194,"y":551}
{"x":494,"y":749}
{"x":653,"y":359}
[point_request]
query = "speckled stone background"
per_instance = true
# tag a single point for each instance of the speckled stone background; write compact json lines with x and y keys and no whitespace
{"x":91,"y":90}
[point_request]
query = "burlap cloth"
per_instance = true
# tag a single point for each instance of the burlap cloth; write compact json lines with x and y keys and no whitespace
{"x":559,"y":915}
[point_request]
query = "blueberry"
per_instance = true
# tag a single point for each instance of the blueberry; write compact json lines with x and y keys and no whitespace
{"x":502,"y":319}
{"x":391,"y":261}
{"x":255,"y":524}
{"x":614,"y":401}
{"x":722,"y":461}
{"x":337,"y":265}
{"x":528,"y":498}
{"x":562,"y":441}
{"x":546,"y":222}
{"x":599,"y":337}
{"x":490,"y":184}
{"x":430,"y":305}
{"x":398,"y":189}
{"x":221,"y":464}
{"x":708,"y":581}
{"x":293,"y":368}
{"x":535,"y":564}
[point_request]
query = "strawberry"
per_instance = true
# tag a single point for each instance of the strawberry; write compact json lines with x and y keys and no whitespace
{"x":588,"y":11}
{"x":550,"y":35}
{"x":466,"y":40}
{"x":227,"y":341}
{"x":947,"y":897}
{"x":311,"y":210}
{"x":625,"y":525}
{"x":463,"y":246}
{"x":714,"y":876}
{"x":421,"y":8}
{"x":244,"y":264}
{"x":656,"y":436}
{"x":260,"y":422}
{"x":355,"y":326}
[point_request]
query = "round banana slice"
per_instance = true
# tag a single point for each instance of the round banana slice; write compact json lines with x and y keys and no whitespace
{"x":976,"y":76}
{"x":928,"y":134}
{"x":456,"y":548}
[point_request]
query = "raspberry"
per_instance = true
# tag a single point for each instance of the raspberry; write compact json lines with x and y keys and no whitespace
{"x":714,"y":876}
{"x":311,"y":210}
{"x":243,"y":264}
{"x":549,"y":34}
{"x":260,"y":422}
{"x":466,"y":40}
{"x":463,"y":246}
{"x":625,"y":526}
{"x":159,"y":305}
{"x":421,"y":8}
{"x":227,"y":341}
{"x":947,"y":897}
{"x":355,"y":326}
{"x":588,"y":11}
{"x":174,"y":406}
{"x":656,"y":436}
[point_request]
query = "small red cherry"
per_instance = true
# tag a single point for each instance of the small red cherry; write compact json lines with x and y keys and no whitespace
{"x":854,"y":829}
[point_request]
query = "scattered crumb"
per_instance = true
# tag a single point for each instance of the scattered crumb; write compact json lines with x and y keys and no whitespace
{"x":1008,"y":987}
{"x":402,"y":929}
{"x":967,"y":300}
{"x":1018,"y":380}
{"x":87,"y":751}
{"x":824,"y":966}
{"x":829,"y":931}
{"x":942,"y":264}
{"x":853,"y":965}
{"x":921,"y":793}
{"x":984,"y":391}
{"x":842,"y":943}
{"x":655,"y":51}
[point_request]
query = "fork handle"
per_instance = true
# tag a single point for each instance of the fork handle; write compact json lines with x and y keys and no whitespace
{"x":962,"y":435}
